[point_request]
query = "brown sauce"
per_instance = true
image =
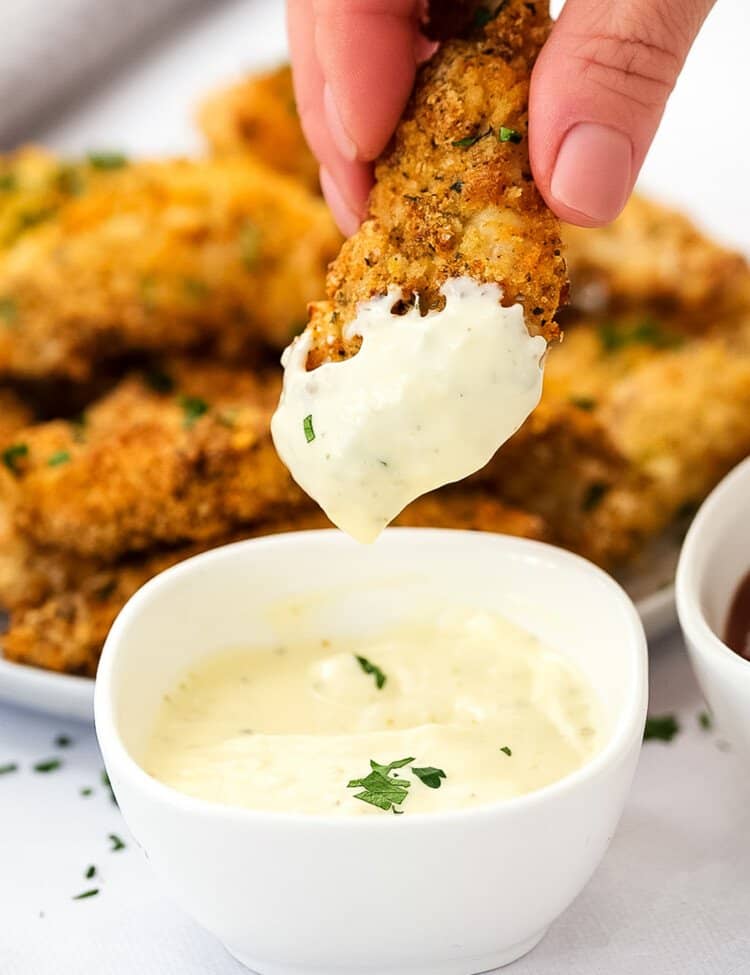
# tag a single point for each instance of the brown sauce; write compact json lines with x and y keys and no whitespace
{"x":737,"y":635}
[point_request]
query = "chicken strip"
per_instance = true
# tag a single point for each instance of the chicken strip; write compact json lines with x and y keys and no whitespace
{"x":259,"y":116}
{"x":64,"y":626}
{"x":453,"y":195}
{"x":163,"y":256}
{"x":174,"y":455}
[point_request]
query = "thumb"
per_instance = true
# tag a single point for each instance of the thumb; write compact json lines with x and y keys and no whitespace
{"x":597,"y":96}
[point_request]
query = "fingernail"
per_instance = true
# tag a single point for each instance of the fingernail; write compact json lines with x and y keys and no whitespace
{"x":344,"y":144}
{"x":343,"y":214}
{"x":593,"y":171}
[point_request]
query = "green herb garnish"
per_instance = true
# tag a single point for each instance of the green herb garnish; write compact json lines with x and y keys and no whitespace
{"x":8,"y":767}
{"x":86,"y":791}
{"x":60,"y":457}
{"x":117,"y":843}
{"x":250,"y":238}
{"x":648,"y":332}
{"x":379,"y":788}
{"x":307,"y":426}
{"x":193,"y":407}
{"x":90,"y":872}
{"x":63,"y":741}
{"x":47,"y":765}
{"x":506,"y":751}
{"x":370,"y":668}
{"x":108,"y":785}
{"x":661,"y":728}
{"x":158,"y":380}
{"x":87,"y":893}
{"x":12,"y":454}
{"x":107,"y":160}
{"x":8,"y":311}
{"x":505,"y":134}
{"x":471,"y":140}
{"x":429,"y":776}
{"x":705,"y":721}
{"x":586,"y":403}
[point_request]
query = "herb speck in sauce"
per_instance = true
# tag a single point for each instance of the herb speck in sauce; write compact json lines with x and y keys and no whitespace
{"x":307,"y":426}
{"x":429,"y":776}
{"x":370,"y":668}
{"x":506,"y":751}
{"x":379,"y":788}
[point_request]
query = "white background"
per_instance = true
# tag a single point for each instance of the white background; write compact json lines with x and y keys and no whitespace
{"x":672,"y":896}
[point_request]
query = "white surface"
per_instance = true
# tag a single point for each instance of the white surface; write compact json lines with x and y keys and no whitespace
{"x":671,"y":897}
{"x":289,"y":872}
{"x":715,"y":557}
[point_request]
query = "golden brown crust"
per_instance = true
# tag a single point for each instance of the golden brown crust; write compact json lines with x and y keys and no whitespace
{"x":154,"y":468}
{"x":454,"y":195}
{"x":164,"y":256}
{"x":258,"y":115}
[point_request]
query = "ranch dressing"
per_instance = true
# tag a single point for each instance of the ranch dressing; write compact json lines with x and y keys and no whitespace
{"x":287,"y":728}
{"x":427,"y":400}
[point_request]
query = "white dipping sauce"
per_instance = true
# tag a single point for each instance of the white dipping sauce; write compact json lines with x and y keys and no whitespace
{"x":287,"y":728}
{"x":427,"y":400}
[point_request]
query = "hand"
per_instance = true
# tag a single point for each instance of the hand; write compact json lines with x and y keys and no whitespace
{"x":598,"y":92}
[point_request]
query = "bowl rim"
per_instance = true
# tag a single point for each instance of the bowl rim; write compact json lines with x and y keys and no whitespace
{"x":699,"y":634}
{"x":627,"y":727}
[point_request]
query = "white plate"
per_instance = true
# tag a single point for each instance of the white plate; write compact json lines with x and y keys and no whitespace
{"x":73,"y":697}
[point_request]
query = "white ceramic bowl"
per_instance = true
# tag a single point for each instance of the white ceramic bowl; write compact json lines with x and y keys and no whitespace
{"x":714,"y":558}
{"x":432,"y":894}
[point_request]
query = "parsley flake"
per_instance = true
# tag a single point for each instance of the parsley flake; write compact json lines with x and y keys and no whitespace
{"x":429,"y":776}
{"x":371,"y":668}
{"x":506,"y":751}
{"x":505,"y":134}
{"x":91,"y":872}
{"x":661,"y":728}
{"x":63,"y":741}
{"x":86,"y":893}
{"x":307,"y":426}
{"x":47,"y":765}
{"x":86,"y":791}
{"x":107,"y":160}
{"x":8,"y":767}
{"x":379,"y":788}
{"x":14,"y":453}
{"x":193,"y":407}
{"x":59,"y":457}
{"x":614,"y":337}
{"x":117,"y":843}
{"x":471,"y":140}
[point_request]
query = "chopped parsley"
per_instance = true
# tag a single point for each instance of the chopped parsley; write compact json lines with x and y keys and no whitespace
{"x":158,"y":380}
{"x":471,"y":140}
{"x":371,"y":668}
{"x":307,"y":426}
{"x":705,"y":721}
{"x":380,"y":788}
{"x":8,"y":311}
{"x":250,"y":237}
{"x":86,"y":791}
{"x":661,"y":728}
{"x":429,"y":776}
{"x":457,"y":186}
{"x":8,"y":182}
{"x":117,"y":843}
{"x":594,"y":495}
{"x":86,"y":893}
{"x":647,"y":332}
{"x":193,"y":407}
{"x":107,"y":160}
{"x":506,"y":134}
{"x":586,"y":403}
{"x":108,"y":785}
{"x":12,"y":454}
{"x":90,"y":872}
{"x":59,"y":457}
{"x":47,"y":765}
{"x":63,"y":741}
{"x":8,"y":767}
{"x":506,"y":751}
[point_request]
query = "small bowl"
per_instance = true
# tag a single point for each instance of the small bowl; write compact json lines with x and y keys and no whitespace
{"x":448,"y":893}
{"x":714,"y":559}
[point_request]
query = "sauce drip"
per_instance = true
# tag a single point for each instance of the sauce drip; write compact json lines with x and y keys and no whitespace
{"x":737,"y":635}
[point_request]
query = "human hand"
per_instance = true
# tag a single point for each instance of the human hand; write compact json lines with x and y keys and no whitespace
{"x":598,"y":92}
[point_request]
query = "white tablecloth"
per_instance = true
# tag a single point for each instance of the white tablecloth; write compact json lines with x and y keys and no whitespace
{"x":672,"y":896}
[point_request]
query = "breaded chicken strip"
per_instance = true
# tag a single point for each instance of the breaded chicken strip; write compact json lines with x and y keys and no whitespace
{"x":164,"y":256}
{"x":259,"y":116}
{"x":453,"y":193}
{"x":163,"y":458}
{"x":655,"y":256}
{"x":63,"y":628}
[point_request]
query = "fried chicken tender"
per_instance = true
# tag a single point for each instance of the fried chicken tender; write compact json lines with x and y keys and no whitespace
{"x":63,"y":627}
{"x":454,"y":194}
{"x":166,"y":457}
{"x":164,"y":256}
{"x":653,"y":255}
{"x":258,"y":115}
